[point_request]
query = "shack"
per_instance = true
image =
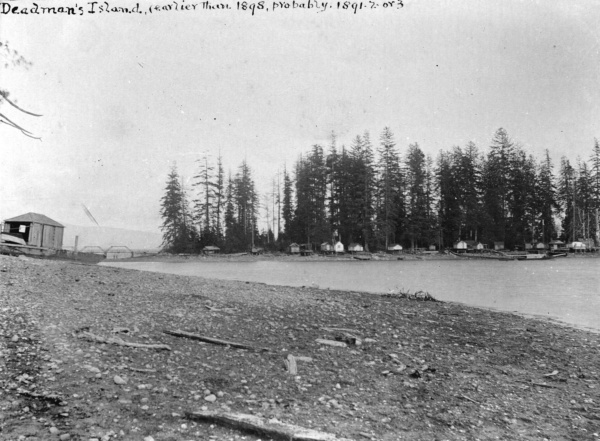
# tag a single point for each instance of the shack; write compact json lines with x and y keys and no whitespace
{"x":471,"y":244}
{"x":355,"y":248}
{"x":294,"y":248}
{"x":255,"y":251}
{"x":306,"y":249}
{"x":42,"y":235}
{"x":326,"y":248}
{"x":338,"y":247}
{"x":210,"y":249}
{"x":498,"y":246}
{"x":394,"y":249}
{"x":461,"y":246}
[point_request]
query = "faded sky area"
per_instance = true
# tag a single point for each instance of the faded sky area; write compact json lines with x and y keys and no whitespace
{"x":126,"y":96}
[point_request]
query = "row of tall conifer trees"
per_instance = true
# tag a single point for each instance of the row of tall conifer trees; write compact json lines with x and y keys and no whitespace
{"x":372,"y":193}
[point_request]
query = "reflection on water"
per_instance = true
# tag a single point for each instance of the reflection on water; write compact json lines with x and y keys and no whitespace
{"x":564,"y":289}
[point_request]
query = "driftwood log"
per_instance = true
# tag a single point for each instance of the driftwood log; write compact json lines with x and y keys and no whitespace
{"x":214,"y":341}
{"x":324,"y":341}
{"x":270,"y":428}
{"x":118,"y":341}
{"x":55,"y":399}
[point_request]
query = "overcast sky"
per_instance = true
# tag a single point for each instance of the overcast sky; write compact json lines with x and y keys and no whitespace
{"x":126,"y":96}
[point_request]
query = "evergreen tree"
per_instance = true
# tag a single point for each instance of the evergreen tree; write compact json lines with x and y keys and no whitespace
{"x":246,"y":203}
{"x":431,"y":221}
{"x":177,"y":228}
{"x":450,"y":213}
{"x":231,"y":226}
{"x":566,"y":198}
{"x":287,"y":211}
{"x":219,"y":197}
{"x":496,"y":185}
{"x":311,"y":196}
{"x":203,"y":205}
{"x":467,"y":174}
{"x":520,"y":201}
{"x":547,"y":205}
{"x":584,"y":203}
{"x":595,"y":188}
{"x":417,"y":202}
{"x":389,"y":192}
{"x":365,"y":178}
{"x":333,"y":190}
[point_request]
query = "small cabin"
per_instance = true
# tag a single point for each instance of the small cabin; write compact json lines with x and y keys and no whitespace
{"x":556,"y":244}
{"x":326,"y":248}
{"x":255,"y":251}
{"x":338,"y":247}
{"x":210,"y":249}
{"x":41,"y":234}
{"x":577,"y":246}
{"x":293,"y":248}
{"x":471,"y":244}
{"x":461,"y":245}
{"x":432,"y":248}
{"x":306,"y":249}
{"x":498,"y":246}
{"x":394,"y":249}
{"x":355,"y":248}
{"x":540,"y":246}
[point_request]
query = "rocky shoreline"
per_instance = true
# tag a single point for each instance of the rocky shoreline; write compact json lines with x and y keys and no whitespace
{"x":246,"y":257}
{"x":84,"y":356}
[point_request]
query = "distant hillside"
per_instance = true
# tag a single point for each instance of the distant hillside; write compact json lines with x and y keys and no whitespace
{"x":105,"y":237}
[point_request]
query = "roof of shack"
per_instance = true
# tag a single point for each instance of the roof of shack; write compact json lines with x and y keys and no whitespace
{"x":35,"y":217}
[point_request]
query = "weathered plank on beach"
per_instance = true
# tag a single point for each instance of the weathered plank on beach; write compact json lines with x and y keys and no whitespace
{"x":331,"y":342}
{"x":120,"y":342}
{"x":214,"y":341}
{"x":469,"y":399}
{"x":272,"y":428}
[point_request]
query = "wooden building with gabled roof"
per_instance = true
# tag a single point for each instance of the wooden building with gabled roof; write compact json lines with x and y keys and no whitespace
{"x":41,"y":234}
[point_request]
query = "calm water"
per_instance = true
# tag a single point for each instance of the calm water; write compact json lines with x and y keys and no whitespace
{"x":564,"y":289}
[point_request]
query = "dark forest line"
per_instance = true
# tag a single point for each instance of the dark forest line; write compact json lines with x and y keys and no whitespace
{"x":373,"y":194}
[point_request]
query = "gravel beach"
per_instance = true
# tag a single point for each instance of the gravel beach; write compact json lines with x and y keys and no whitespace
{"x":84,"y":356}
